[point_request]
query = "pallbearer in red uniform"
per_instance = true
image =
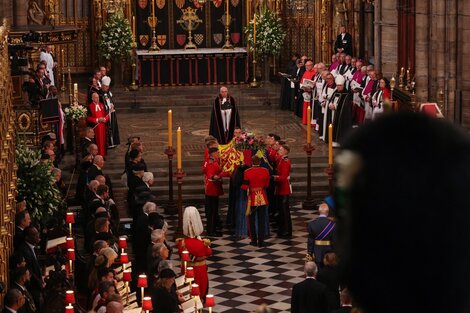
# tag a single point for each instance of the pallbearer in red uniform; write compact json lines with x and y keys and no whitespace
{"x":256,"y":180}
{"x":283,"y":191}
{"x":198,"y":248}
{"x":213,"y":189}
{"x":97,"y":118}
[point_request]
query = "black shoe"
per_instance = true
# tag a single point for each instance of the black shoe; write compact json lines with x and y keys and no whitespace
{"x":262,"y":244}
{"x":253,"y":243}
{"x":218,"y":234}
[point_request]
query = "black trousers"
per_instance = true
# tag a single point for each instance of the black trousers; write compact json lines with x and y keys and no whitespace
{"x":284,"y":219}
{"x":212,"y":210}
{"x":258,"y":236}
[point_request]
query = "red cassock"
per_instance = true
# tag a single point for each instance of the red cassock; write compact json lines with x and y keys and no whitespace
{"x":98,"y":111}
{"x":307,"y":75}
{"x":198,"y":252}
{"x":282,"y":179}
{"x":256,"y":179}
{"x":213,"y":187}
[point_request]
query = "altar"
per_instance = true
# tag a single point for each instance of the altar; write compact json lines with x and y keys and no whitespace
{"x":204,"y":66}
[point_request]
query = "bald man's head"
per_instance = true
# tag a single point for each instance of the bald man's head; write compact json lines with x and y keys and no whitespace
{"x":101,"y":179}
{"x":323,"y":209}
{"x":114,"y":307}
{"x":93,"y":185}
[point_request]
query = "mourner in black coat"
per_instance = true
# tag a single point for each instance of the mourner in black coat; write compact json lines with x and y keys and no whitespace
{"x":309,"y":295}
{"x":343,"y":42}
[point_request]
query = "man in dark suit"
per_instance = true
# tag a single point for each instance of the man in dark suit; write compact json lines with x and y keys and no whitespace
{"x":96,"y":168}
{"x":346,"y":301}
{"x":343,"y":42}
{"x":309,"y":295}
{"x":86,"y":141}
{"x":22,"y":220}
{"x":27,"y":250}
{"x":21,"y":277}
{"x":321,"y":235}
{"x":13,"y":301}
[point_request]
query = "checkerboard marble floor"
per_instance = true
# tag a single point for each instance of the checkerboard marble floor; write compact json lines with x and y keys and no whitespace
{"x":242,"y":276}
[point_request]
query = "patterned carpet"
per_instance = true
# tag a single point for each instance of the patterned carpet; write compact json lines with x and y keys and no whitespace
{"x":242,"y":276}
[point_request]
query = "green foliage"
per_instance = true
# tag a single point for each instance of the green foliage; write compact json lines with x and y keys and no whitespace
{"x":270,"y":33}
{"x":75,"y":112}
{"x":115,"y":38}
{"x":36,"y":184}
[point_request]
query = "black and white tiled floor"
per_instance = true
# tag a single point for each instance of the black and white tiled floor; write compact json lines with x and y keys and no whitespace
{"x":242,"y":276}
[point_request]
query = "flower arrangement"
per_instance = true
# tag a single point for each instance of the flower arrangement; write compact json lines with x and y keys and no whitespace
{"x":249,"y":141}
{"x":36,"y":184}
{"x":270,"y":33}
{"x":75,"y":112}
{"x":115,"y":38}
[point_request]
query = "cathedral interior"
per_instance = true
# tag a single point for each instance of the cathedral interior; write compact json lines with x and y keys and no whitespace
{"x":183,"y":48}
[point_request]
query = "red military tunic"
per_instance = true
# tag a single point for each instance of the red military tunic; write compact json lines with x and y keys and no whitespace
{"x":213,"y":187}
{"x":98,"y":111}
{"x":283,"y":187}
{"x":256,"y":179}
{"x":307,"y":75}
{"x":198,"y":251}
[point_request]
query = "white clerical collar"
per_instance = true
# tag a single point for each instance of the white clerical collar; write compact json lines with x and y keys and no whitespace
{"x":323,"y":215}
{"x":346,"y":305}
{"x":310,"y":277}
{"x":8,"y":308}
{"x":30,"y":245}
{"x":22,"y":288}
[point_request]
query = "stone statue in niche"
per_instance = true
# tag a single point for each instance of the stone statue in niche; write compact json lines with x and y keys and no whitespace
{"x":341,"y":14}
{"x":36,"y":15}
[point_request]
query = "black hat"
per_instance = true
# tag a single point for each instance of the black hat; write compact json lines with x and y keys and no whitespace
{"x":138,"y":167}
{"x":212,"y":150}
{"x":167,"y":273}
{"x":134,"y":153}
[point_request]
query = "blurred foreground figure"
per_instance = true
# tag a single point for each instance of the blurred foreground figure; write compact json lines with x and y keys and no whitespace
{"x":404,"y":215}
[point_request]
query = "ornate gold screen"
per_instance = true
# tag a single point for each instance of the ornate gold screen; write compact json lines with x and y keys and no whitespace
{"x":7,"y":158}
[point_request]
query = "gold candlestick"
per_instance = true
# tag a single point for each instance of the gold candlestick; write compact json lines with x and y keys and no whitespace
{"x":254,"y":83}
{"x":228,"y":20}
{"x":154,"y":47}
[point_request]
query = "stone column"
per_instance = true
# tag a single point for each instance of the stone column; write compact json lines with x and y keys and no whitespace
{"x":386,"y":34}
{"x":20,"y":12}
{"x":422,"y":46}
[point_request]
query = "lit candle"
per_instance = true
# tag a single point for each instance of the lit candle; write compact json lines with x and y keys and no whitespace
{"x":63,"y":58}
{"x":254,"y":30}
{"x":330,"y":145}
{"x":170,"y":129}
{"x":402,"y":72}
{"x":133,"y":27}
{"x":178,"y":147}
{"x":408,"y":74}
{"x":226,"y":15}
{"x":309,"y":125}
{"x":75,"y":93}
